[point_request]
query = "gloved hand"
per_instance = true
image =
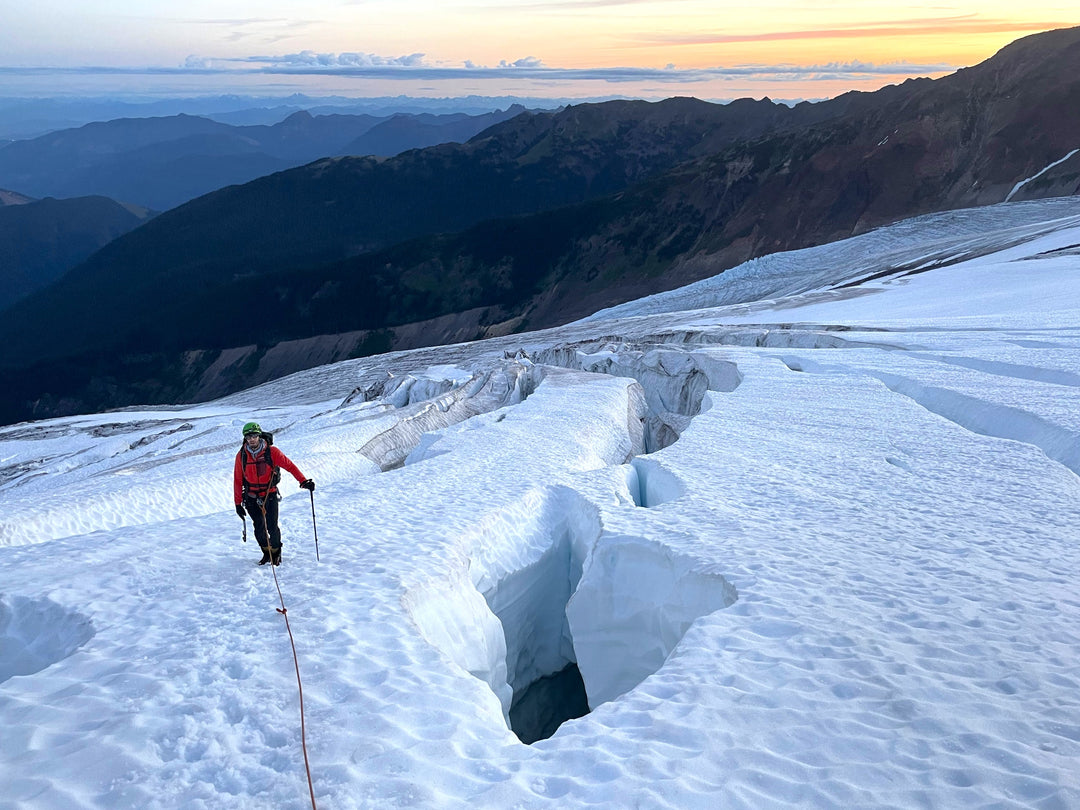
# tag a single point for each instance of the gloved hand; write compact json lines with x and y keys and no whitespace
{"x":307,"y":484}
{"x":240,"y":510}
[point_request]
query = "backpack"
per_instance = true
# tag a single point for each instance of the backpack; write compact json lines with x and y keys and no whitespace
{"x":275,"y":473}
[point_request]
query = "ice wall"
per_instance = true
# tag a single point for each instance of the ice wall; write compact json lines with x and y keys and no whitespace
{"x":440,"y":403}
{"x":634,"y":604}
{"x":454,"y":618}
{"x":530,"y":600}
{"x":674,"y":380}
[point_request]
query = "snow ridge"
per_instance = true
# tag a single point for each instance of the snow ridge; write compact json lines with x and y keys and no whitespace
{"x":1037,"y":175}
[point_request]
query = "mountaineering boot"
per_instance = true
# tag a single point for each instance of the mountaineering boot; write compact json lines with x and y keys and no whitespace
{"x":277,"y":556}
{"x":265,"y":557}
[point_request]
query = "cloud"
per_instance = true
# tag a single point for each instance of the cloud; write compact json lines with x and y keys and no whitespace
{"x":967,"y":24}
{"x":527,"y":62}
{"x":414,"y":67}
{"x":331,"y":60}
{"x":267,"y":29}
{"x":239,"y":22}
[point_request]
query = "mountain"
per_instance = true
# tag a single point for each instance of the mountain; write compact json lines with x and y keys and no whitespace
{"x":22,"y":118}
{"x":341,"y":207}
{"x":154,"y":162}
{"x":402,"y":132}
{"x":13,"y":198}
{"x":163,"y":162}
{"x":538,"y":220}
{"x":924,"y":146}
{"x":40,"y":240}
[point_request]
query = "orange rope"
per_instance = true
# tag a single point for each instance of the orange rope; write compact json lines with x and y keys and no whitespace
{"x":296,"y":660}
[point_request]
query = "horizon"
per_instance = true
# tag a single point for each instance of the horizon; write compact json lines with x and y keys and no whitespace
{"x":565,"y":50}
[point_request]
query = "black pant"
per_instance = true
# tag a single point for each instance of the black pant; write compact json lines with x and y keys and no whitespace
{"x":260,"y":525}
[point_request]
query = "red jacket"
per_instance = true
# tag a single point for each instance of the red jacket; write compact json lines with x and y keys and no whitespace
{"x":255,"y":471}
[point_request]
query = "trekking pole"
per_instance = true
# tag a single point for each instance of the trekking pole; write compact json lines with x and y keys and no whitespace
{"x":314,"y":527}
{"x":243,"y":536}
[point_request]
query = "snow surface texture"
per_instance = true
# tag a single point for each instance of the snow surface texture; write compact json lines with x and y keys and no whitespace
{"x":808,"y":532}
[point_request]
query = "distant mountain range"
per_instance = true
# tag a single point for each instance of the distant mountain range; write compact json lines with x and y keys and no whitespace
{"x":162,"y":162}
{"x":535,"y":221}
{"x":13,"y":198}
{"x":23,"y":118}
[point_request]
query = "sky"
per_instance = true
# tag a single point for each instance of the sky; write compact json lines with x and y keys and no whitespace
{"x":784,"y":49}
{"x":848,"y":576}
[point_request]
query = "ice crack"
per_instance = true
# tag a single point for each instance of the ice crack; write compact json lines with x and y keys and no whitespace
{"x":989,"y":419}
{"x":439,"y":404}
{"x":674,"y":380}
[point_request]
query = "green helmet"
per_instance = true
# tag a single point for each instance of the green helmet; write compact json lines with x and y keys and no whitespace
{"x":252,"y":427}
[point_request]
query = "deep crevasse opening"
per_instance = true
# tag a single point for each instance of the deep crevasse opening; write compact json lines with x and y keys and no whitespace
{"x":529,"y":602}
{"x":651,"y":484}
{"x":570,"y":618}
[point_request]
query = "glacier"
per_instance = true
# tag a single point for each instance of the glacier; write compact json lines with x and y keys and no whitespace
{"x":802,"y":534}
